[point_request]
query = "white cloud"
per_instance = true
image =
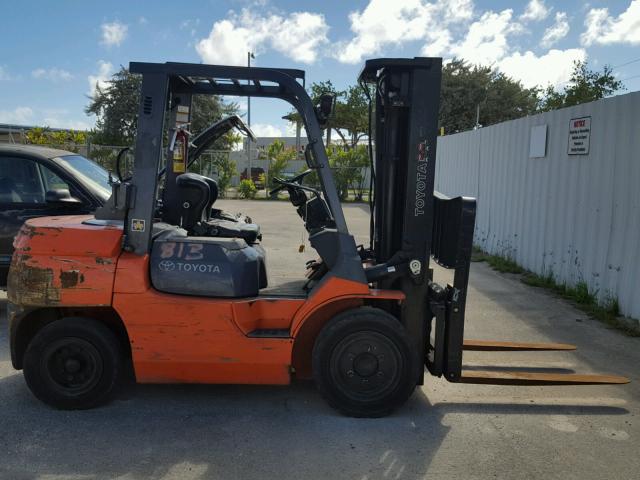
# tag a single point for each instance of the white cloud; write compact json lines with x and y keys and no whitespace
{"x":553,"y":68}
{"x":384,"y":22}
{"x":143,"y":20}
{"x":113,"y":33}
{"x":536,"y":10}
{"x":486,"y":40}
{"x":190,"y":25}
{"x":297,"y":36}
{"x":99,"y":79}
{"x":290,"y":130}
{"x":61,"y":119}
{"x":603,"y":29}
{"x":54,"y":74}
{"x":3,"y":74}
{"x":555,"y":32}
{"x":267,"y":130}
{"x":18,"y":116}
{"x":451,"y":28}
{"x":226,"y":44}
{"x":55,"y":118}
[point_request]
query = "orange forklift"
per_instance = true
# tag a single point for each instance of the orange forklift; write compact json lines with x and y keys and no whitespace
{"x":162,"y":281}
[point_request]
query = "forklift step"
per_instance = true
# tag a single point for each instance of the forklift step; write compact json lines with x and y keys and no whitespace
{"x":491,"y":346}
{"x":531,"y":378}
{"x":269,"y":333}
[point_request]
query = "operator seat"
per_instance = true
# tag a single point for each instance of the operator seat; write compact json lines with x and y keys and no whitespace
{"x":198,"y":219}
{"x":194,"y":196}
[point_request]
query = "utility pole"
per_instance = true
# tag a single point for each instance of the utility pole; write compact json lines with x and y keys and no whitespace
{"x":249,"y":171}
{"x":486,"y":93}
{"x":293,"y":117}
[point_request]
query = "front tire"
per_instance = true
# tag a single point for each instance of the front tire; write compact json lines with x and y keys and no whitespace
{"x":73,"y":363}
{"x":364,"y":364}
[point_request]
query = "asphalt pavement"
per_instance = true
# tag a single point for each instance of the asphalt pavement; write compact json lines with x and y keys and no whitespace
{"x":445,"y":431}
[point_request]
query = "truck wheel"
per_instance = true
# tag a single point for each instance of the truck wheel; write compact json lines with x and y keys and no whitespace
{"x":73,"y":363}
{"x":364,"y":364}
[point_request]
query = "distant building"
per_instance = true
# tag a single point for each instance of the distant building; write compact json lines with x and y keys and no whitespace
{"x":262,"y":143}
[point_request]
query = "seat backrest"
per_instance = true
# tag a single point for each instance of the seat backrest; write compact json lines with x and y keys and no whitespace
{"x":193,"y":197}
{"x":213,"y":193}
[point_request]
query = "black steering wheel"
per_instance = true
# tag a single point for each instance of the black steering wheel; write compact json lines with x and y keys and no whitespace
{"x":293,"y":183}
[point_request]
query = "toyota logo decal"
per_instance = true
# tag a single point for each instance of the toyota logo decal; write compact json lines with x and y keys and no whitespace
{"x":166,"y":266}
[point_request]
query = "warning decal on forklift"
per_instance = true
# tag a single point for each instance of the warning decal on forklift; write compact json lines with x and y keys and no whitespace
{"x":137,"y":225}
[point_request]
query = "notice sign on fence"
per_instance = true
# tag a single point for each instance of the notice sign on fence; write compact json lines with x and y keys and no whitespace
{"x":579,"y":136}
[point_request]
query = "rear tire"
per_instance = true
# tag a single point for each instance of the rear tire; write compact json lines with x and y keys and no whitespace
{"x":73,"y":363}
{"x":364,"y":363}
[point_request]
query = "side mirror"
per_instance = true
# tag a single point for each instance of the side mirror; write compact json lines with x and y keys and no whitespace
{"x":59,"y":196}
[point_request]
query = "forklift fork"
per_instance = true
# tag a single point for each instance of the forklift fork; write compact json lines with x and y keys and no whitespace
{"x":454,"y":220}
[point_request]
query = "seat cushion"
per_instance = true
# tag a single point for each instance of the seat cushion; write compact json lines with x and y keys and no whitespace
{"x":249,"y":232}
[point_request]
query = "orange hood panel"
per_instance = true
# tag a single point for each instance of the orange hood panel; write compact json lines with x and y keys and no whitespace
{"x":60,"y":261}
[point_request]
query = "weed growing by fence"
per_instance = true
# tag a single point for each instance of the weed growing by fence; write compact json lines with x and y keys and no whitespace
{"x":607,"y":311}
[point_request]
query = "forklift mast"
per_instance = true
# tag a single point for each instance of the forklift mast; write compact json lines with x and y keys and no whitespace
{"x":406,"y":122}
{"x":408,"y":222}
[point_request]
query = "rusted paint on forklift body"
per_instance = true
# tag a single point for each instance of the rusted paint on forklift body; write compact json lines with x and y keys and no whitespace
{"x":61,"y":261}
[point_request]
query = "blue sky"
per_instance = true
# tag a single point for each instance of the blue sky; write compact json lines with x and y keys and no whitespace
{"x":55,"y":52}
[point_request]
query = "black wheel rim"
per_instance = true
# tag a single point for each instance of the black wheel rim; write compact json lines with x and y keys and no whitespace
{"x":71,"y":366}
{"x":366,"y":366}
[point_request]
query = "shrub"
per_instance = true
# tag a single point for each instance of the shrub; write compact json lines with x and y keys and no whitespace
{"x":279,"y":156}
{"x":247,"y":188}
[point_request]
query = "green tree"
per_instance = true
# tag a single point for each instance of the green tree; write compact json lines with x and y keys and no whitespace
{"x":584,"y":86}
{"x":223,"y":169}
{"x":279,"y":156}
{"x":351,"y":118}
{"x":348,"y":166}
{"x":351,"y":115}
{"x":116,"y":109}
{"x":465,"y":88}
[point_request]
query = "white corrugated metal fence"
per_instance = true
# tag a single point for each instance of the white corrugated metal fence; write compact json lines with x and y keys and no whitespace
{"x":574,"y":216}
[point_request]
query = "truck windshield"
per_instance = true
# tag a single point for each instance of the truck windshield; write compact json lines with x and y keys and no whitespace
{"x":88,"y":171}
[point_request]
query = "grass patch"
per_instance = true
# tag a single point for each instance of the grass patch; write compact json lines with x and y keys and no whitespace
{"x":498,"y":263}
{"x":477,"y":255}
{"x":607,"y":312}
